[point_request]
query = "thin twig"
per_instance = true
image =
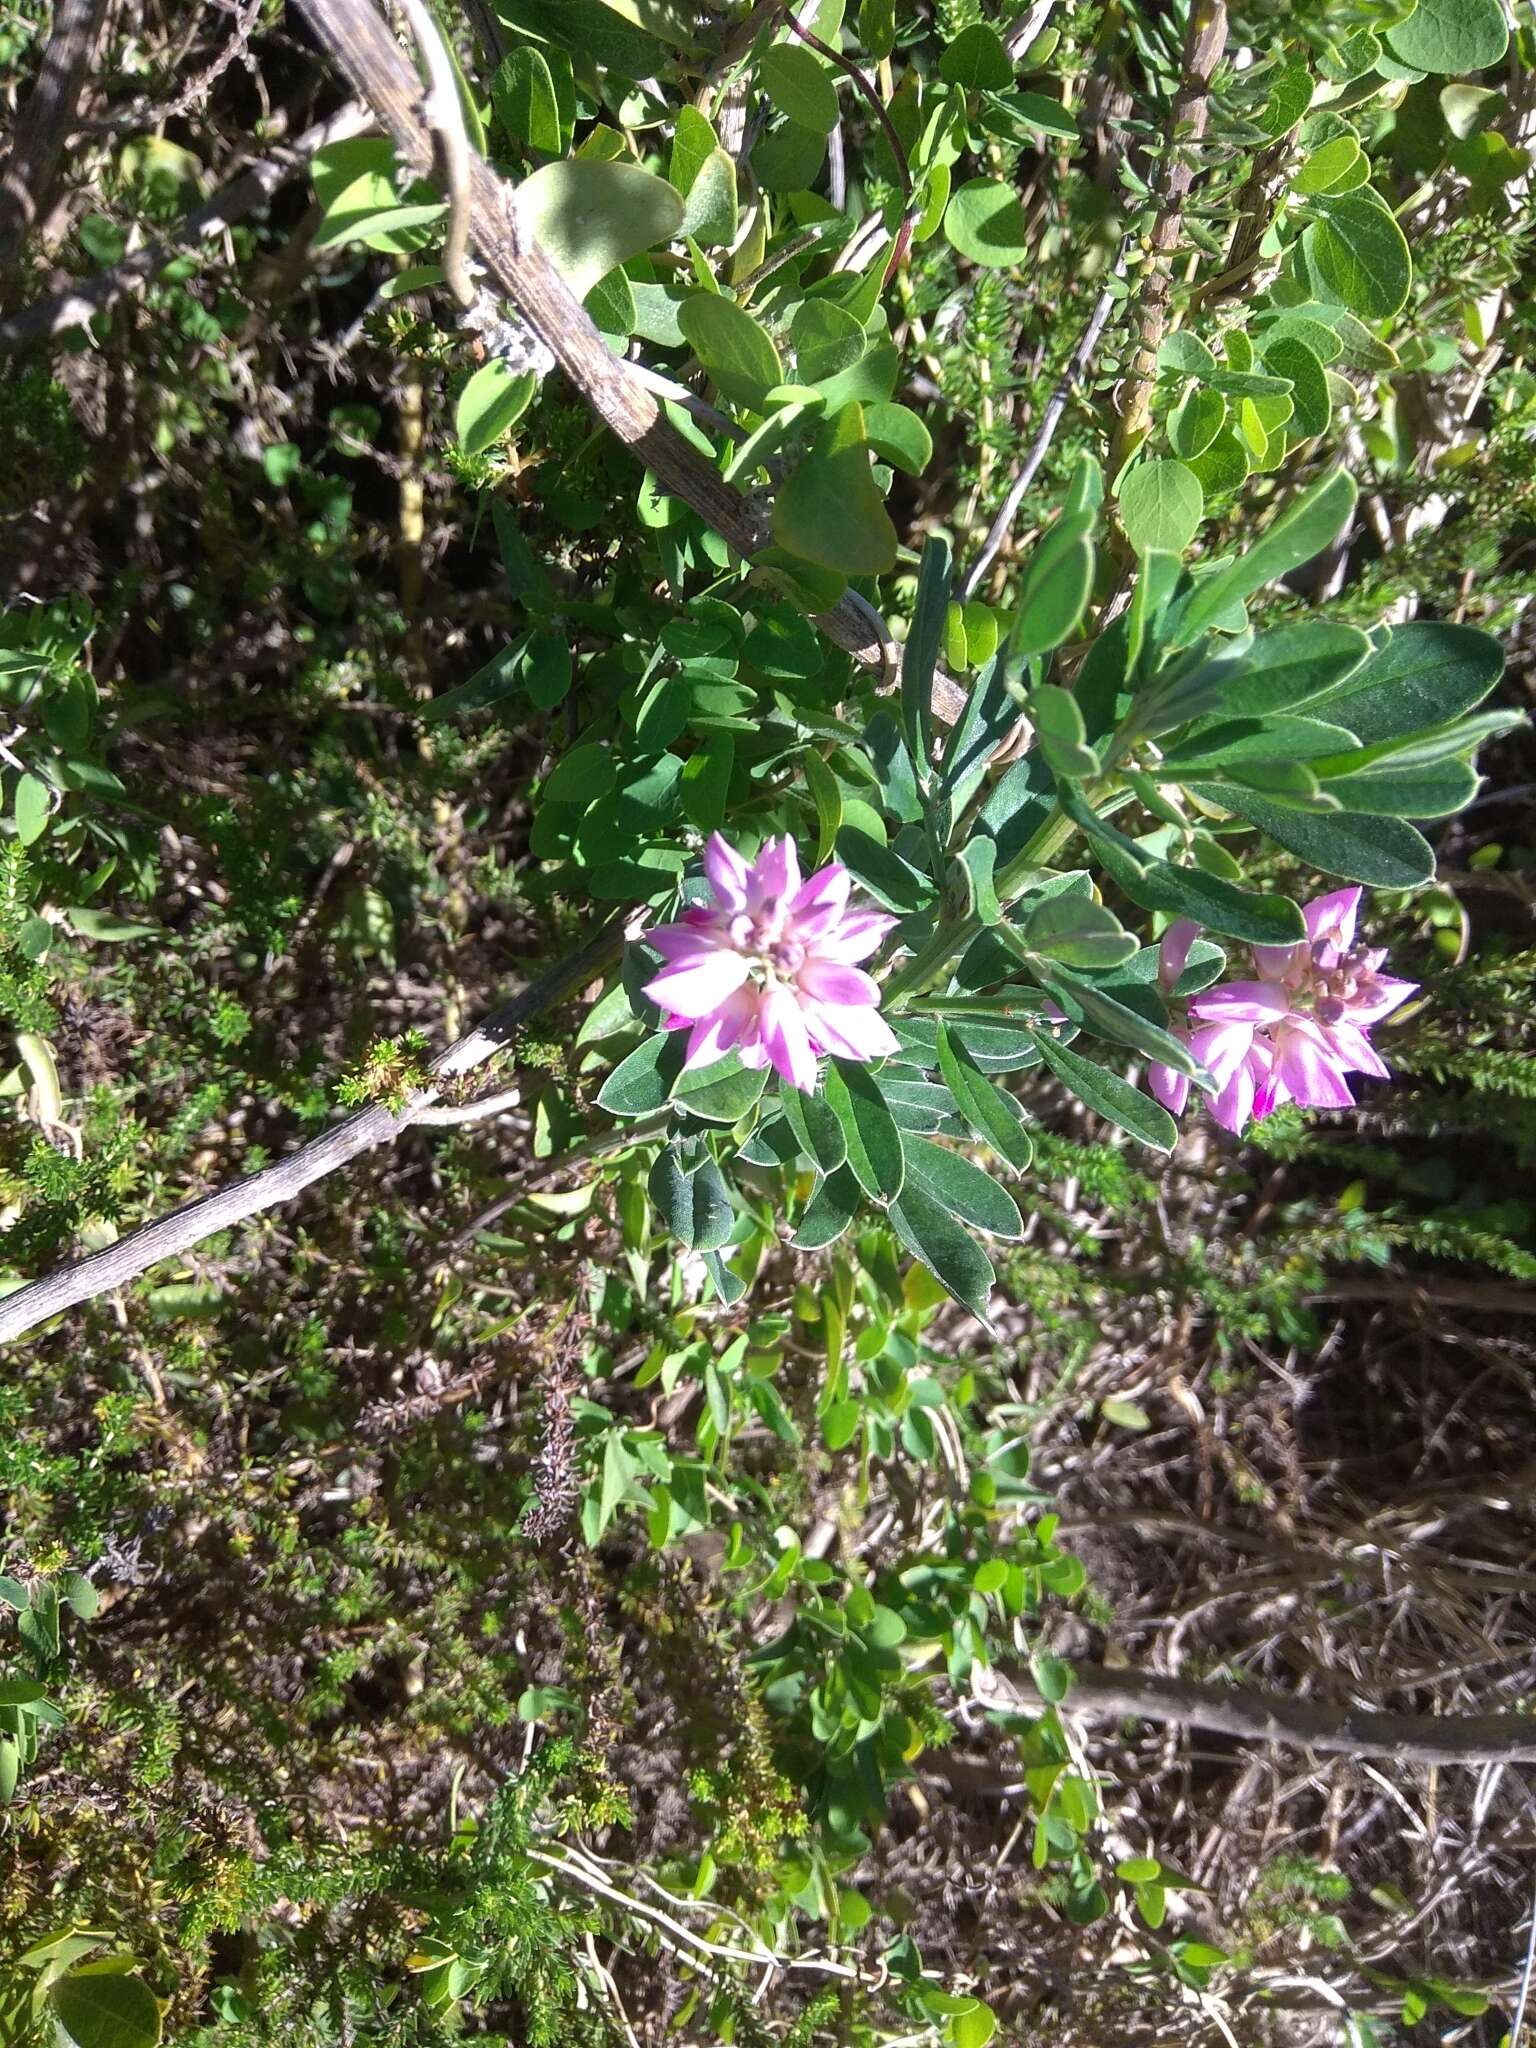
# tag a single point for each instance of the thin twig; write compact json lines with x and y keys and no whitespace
{"x":1050,"y":420}
{"x":355,"y":35}
{"x":148,"y":113}
{"x":1103,"y":1695}
{"x":253,"y":188}
{"x":1204,"y":45}
{"x":1517,"y":2024}
{"x":851,"y":70}
{"x":443,"y":112}
{"x":365,"y":1131}
{"x":44,"y":123}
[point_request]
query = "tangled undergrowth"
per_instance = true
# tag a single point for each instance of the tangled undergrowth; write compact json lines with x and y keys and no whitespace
{"x":532,"y":1585}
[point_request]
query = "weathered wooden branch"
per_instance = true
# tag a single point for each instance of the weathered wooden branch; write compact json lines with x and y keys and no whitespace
{"x":355,"y":35}
{"x":366,"y":1131}
{"x":1099,"y":1694}
{"x":42,"y":128}
{"x":253,"y":188}
{"x":1203,"y":48}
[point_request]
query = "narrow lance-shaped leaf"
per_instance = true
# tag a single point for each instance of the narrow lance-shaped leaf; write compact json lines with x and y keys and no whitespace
{"x":981,"y":1103}
{"x":1113,"y":1098}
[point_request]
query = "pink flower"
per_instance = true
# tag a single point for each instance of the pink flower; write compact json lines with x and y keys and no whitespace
{"x":1298,"y":1031}
{"x":768,"y":970}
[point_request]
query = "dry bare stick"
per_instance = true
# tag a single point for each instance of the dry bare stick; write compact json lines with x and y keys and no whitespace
{"x":253,"y":188}
{"x":1203,"y":48}
{"x":355,"y":34}
{"x":1050,"y":420}
{"x":42,"y":128}
{"x":146,"y":113}
{"x":1019,"y":34}
{"x":366,"y":1131}
{"x":1102,"y":1695}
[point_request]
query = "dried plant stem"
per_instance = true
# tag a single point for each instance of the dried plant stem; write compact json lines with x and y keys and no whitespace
{"x":253,"y":188}
{"x":366,"y":1131}
{"x":43,"y":126}
{"x":1203,"y":48}
{"x":1102,"y":1695}
{"x":355,"y":34}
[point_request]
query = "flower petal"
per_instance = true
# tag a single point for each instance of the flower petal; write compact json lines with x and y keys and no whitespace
{"x":786,"y":1038}
{"x":1173,"y":953}
{"x":829,"y":981}
{"x":819,"y":903}
{"x":1333,"y":917}
{"x":853,"y":1032}
{"x":1379,"y":997}
{"x":1241,"y":1002}
{"x":1171,"y":1089}
{"x":684,"y":941}
{"x":1221,"y":1048}
{"x":1310,"y":1069}
{"x":775,"y":874}
{"x":714,"y":1036}
{"x":1232,"y":1105}
{"x":858,"y":935}
{"x":727,"y":873}
{"x":698,"y":984}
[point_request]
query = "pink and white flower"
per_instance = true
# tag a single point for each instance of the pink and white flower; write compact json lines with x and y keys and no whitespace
{"x":1294,"y":1034}
{"x":769,"y":968}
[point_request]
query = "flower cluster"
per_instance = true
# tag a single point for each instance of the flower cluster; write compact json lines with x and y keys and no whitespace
{"x":1296,"y":1032}
{"x":768,"y":969}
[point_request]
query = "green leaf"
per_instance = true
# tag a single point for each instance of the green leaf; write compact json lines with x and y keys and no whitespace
{"x":1161,"y":505}
{"x":1056,"y":586}
{"x":1185,"y":354}
{"x":834,"y":1203}
{"x":1225,"y":742}
{"x":1310,"y":398}
{"x":894,"y":883}
{"x":972,"y":2028}
{"x":1359,"y":252}
{"x":588,"y":216}
{"x":99,"y":2006}
{"x":1328,"y":165}
{"x":800,"y":86}
{"x":977,"y":61}
{"x":1426,"y":673}
{"x":1112,"y":1097}
{"x":547,"y":667}
{"x":736,"y":352}
{"x":711,"y":215}
{"x":10,"y":1769}
{"x":493,"y":401}
{"x":694,"y":1204}
{"x":789,"y":159}
{"x":982,"y":1104}
{"x":826,"y":340}
{"x":31,"y":807}
{"x":898,"y":435}
{"x":818,"y":1129}
{"x":831,"y":511}
{"x":1061,"y":733}
{"x":642,"y":1083}
{"x":921,"y":654}
{"x":721,"y":1093}
{"x":1451,"y":36}
{"x":1195,"y":421}
{"x":1290,"y":95}
{"x":1435,"y":789}
{"x":1107,"y":1017}
{"x":1291,"y":665}
{"x":949,"y":1250}
{"x":106,"y":927}
{"x":1384,"y":853}
{"x":1302,"y":531}
{"x":985,"y":222}
{"x":874,"y":1143}
{"x":523,"y":100}
{"x":1078,"y":932}
{"x":963,"y":1188}
{"x":81,"y":1596}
